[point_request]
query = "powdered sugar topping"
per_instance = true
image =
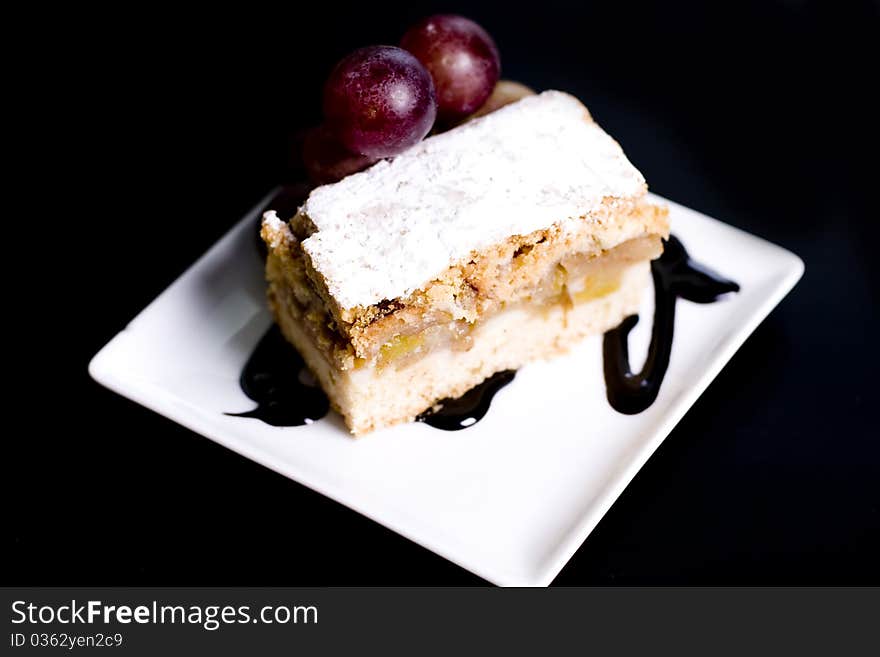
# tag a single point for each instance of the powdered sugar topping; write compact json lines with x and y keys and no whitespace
{"x":387,"y":231}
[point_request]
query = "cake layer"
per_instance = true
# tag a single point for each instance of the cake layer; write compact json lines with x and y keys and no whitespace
{"x":539,"y":165}
{"x":521,"y":268}
{"x":375,"y":396}
{"x":547,"y":271}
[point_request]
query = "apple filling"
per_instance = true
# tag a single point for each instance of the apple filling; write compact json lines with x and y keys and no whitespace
{"x":575,"y":280}
{"x":412,"y":332}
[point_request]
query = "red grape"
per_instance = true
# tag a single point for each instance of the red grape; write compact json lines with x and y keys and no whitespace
{"x":379,"y":101}
{"x":326,"y":160}
{"x":461,"y":58}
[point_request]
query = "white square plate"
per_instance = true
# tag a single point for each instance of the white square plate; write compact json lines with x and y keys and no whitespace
{"x":510,"y":498}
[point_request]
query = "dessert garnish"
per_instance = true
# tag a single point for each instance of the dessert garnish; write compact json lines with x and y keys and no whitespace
{"x":465,"y":411}
{"x":462,"y":59}
{"x":379,"y":101}
{"x":675,"y":275}
{"x":416,"y":287}
{"x":328,"y":160}
{"x":274,"y":378}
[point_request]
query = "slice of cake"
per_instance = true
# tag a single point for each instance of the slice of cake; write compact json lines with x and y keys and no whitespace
{"x":501,"y":241}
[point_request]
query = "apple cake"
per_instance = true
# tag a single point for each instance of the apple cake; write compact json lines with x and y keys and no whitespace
{"x":503,"y":240}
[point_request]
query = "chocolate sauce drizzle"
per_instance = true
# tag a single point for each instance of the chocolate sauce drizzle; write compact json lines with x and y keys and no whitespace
{"x":276,"y":377}
{"x":467,"y":410}
{"x":675,"y":275}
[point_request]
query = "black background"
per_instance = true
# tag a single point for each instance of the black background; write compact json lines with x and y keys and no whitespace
{"x":152,"y":131}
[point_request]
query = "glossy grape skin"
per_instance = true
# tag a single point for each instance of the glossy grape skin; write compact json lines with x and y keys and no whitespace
{"x":462,"y":59}
{"x":379,"y":101}
{"x":326,"y":160}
